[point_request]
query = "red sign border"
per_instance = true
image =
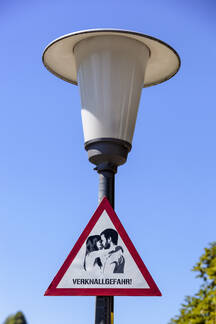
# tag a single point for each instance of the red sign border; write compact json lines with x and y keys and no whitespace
{"x":153,"y":290}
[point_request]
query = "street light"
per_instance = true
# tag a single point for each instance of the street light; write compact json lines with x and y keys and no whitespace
{"x":111,"y":67}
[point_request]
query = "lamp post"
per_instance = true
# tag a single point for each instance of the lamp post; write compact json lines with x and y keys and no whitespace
{"x":111,"y":67}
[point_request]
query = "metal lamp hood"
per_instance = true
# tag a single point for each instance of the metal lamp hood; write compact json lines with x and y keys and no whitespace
{"x":163,"y":64}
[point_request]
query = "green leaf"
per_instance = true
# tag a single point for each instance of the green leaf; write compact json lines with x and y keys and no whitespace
{"x":201,"y":308}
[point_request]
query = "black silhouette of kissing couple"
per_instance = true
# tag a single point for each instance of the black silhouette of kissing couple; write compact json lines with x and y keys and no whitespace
{"x":103,"y":255}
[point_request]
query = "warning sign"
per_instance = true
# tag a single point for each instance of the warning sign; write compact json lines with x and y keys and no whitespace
{"x":103,"y":262}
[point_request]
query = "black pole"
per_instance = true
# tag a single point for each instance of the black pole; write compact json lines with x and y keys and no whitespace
{"x":104,"y":310}
{"x":107,"y":154}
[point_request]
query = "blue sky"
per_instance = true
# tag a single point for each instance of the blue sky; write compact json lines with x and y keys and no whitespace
{"x":165,"y":193}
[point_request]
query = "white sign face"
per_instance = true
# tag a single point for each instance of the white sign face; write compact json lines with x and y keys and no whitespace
{"x":103,"y":262}
{"x":104,"y":257}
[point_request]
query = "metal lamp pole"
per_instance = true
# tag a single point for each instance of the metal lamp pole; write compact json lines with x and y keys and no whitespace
{"x":104,"y":307}
{"x":107,"y":154}
{"x":111,"y":67}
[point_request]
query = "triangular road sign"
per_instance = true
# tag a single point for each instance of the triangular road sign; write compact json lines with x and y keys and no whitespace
{"x":103,"y":262}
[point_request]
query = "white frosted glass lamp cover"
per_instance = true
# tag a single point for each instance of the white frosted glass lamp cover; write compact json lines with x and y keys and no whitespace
{"x":110,"y":70}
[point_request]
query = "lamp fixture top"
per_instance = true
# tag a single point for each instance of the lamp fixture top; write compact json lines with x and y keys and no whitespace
{"x":163,"y":63}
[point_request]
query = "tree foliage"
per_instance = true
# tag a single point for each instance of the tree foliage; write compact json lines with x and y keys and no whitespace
{"x":201,"y":308}
{"x":18,"y":318}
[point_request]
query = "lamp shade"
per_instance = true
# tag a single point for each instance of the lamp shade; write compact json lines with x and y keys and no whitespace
{"x":111,"y":67}
{"x":111,"y":71}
